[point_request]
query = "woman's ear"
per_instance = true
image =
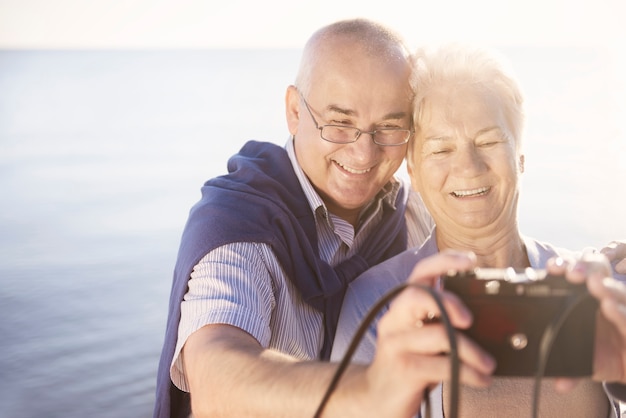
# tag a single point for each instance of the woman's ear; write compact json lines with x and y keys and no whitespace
{"x":292,"y":109}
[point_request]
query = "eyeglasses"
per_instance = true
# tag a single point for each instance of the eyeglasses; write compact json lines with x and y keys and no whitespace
{"x":340,"y":134}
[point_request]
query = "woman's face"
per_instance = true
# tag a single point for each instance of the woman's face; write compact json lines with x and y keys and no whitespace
{"x":465,"y":161}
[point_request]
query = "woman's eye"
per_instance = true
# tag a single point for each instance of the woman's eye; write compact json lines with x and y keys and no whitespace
{"x":488,"y":144}
{"x":490,"y":141}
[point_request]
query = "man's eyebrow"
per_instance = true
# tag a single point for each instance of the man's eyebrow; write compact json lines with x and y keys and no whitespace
{"x":350,"y":112}
{"x":395,"y":115}
{"x":337,"y":109}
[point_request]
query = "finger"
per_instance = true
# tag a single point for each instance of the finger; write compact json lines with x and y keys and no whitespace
{"x":589,"y":264}
{"x":471,"y":377}
{"x":615,"y":250}
{"x":429,"y":270}
{"x":433,"y":340}
{"x":615,"y":312}
{"x":603,"y":287}
{"x":414,"y":304}
{"x":558,"y":266}
{"x":620,"y":267}
{"x":469,"y":352}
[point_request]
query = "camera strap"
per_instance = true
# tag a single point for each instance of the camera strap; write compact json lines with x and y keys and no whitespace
{"x":547,"y":340}
{"x":548,"y":337}
{"x":363,"y":326}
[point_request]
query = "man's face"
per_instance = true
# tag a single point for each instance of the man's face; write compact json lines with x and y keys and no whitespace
{"x":357,"y":91}
{"x":465,"y":163}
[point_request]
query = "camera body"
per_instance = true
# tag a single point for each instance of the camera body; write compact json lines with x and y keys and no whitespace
{"x":512,"y":311}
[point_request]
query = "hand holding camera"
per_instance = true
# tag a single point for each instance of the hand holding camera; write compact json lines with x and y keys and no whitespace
{"x":524,"y":318}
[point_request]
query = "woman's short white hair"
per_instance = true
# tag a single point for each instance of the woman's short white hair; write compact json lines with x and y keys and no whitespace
{"x":461,"y":64}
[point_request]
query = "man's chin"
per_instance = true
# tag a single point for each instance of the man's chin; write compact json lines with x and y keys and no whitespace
{"x":350,"y":205}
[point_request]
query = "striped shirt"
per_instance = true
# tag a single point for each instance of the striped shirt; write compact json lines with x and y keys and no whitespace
{"x":243,"y":285}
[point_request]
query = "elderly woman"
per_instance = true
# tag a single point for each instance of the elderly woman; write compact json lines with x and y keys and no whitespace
{"x":466,"y":162}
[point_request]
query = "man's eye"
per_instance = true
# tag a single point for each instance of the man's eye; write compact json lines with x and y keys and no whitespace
{"x":441,"y":151}
{"x":341,"y":122}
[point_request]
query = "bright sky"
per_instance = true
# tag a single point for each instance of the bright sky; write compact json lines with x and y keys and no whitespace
{"x":276,"y":23}
{"x":93,"y":24}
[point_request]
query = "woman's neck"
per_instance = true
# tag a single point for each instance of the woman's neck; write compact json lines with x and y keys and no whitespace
{"x":497,"y":250}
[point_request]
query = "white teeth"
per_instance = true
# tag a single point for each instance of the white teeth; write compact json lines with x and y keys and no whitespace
{"x":352,"y":170}
{"x":474,"y":192}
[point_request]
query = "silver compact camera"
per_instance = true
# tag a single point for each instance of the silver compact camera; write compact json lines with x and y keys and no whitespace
{"x":515,"y":311}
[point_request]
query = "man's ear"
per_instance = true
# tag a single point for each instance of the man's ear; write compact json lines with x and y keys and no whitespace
{"x":521,"y":163}
{"x":292,"y":109}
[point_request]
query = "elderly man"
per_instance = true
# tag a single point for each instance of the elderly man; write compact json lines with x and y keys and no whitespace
{"x":267,"y":253}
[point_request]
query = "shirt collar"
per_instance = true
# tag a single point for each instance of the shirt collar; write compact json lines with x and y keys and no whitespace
{"x":315,"y":201}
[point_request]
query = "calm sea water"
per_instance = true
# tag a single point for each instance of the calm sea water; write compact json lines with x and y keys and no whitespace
{"x":103,"y":153}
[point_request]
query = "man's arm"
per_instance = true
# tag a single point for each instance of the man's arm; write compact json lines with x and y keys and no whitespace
{"x":230,"y":374}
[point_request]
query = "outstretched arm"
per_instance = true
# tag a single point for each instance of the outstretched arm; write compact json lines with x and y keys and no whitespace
{"x":230,"y":374}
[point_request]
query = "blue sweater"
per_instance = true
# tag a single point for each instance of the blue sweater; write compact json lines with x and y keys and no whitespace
{"x":261,"y":200}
